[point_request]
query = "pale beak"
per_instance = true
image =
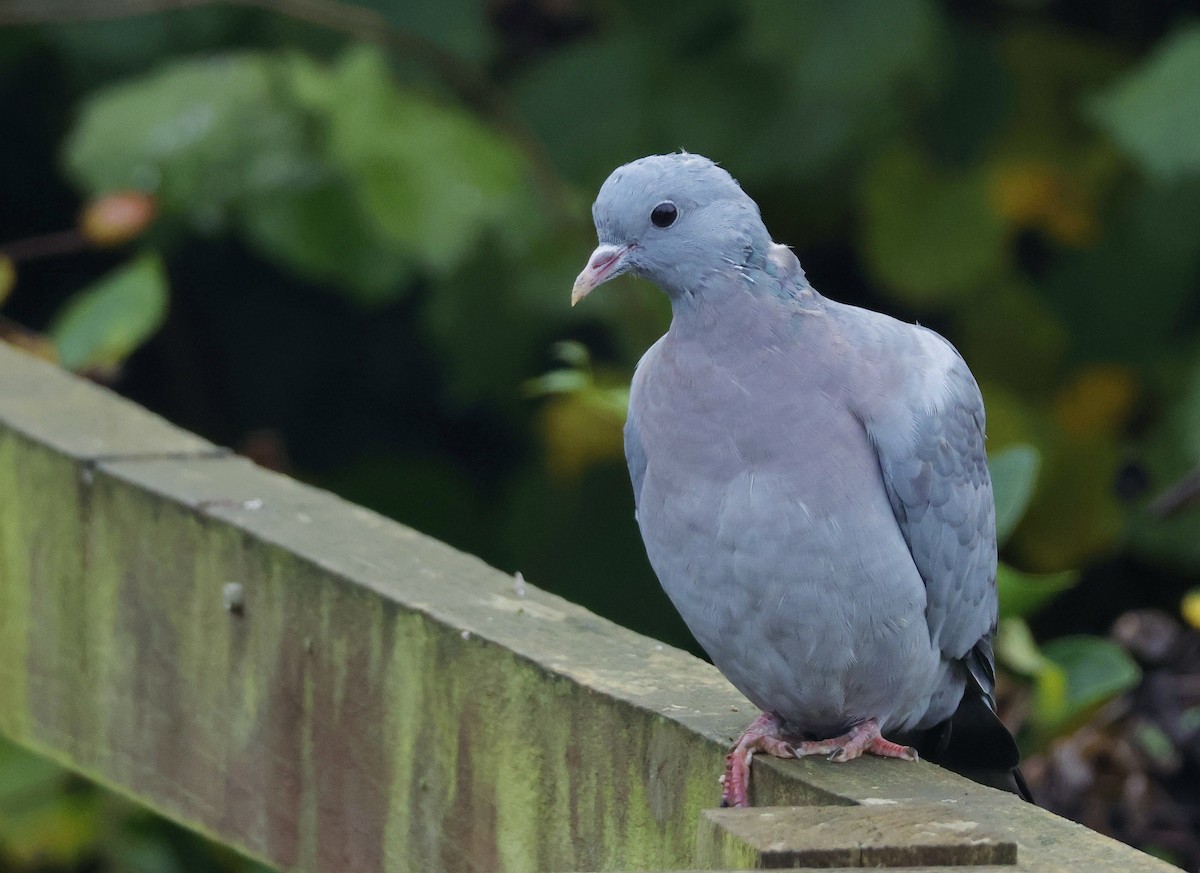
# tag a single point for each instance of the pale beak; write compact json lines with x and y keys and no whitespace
{"x":606,"y":261}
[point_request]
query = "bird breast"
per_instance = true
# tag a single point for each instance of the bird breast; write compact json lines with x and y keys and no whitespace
{"x":765,"y":518}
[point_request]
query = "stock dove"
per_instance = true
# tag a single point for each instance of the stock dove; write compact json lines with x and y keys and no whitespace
{"x":811,"y":487}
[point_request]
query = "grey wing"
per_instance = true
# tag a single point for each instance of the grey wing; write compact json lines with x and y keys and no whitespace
{"x":941,"y":494}
{"x":635,"y":456}
{"x":635,"y":453}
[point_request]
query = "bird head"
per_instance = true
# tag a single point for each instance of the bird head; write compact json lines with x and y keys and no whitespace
{"x":673,"y":219}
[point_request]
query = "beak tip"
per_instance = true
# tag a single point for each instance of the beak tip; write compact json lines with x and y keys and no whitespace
{"x":579,"y":291}
{"x":606,"y":261}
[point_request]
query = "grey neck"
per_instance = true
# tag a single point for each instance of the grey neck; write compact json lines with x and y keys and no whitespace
{"x":737,"y":296}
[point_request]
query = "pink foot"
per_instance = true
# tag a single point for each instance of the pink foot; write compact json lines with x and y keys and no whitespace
{"x":765,"y":735}
{"x":862,"y":739}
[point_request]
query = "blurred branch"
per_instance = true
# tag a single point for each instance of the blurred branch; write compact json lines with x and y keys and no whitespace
{"x":62,"y":242}
{"x":1180,"y":496}
{"x":366,"y":25}
{"x":58,"y":11}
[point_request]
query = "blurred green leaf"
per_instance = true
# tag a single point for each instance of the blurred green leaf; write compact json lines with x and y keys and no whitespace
{"x":1011,"y":418}
{"x":145,"y":853}
{"x":829,"y":109}
{"x":583,"y":420}
{"x":815,"y":38}
{"x":203,"y":135}
{"x":1051,"y":696}
{"x":383,"y":138}
{"x":1189,"y":720}
{"x":1022,"y":594}
{"x":55,"y":831}
{"x":1072,"y":675}
{"x":705,"y":110}
{"x":1012,"y":335}
{"x":39,"y":823}
{"x":322,"y":232}
{"x":572,"y":353}
{"x":576,"y":377}
{"x":329,"y":169}
{"x":1014,"y":475}
{"x":1154,"y":111}
{"x":931,"y":237}
{"x":23,"y":774}
{"x":1154,"y":742}
{"x":1149,"y":243}
{"x":558,"y":382}
{"x":597,"y":85}
{"x":1074,"y":515}
{"x":1016,"y":648}
{"x":1096,"y":670}
{"x":608,"y":395}
{"x":103,"y":324}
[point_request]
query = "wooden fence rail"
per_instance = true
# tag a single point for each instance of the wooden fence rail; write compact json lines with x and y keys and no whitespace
{"x":327,"y":690}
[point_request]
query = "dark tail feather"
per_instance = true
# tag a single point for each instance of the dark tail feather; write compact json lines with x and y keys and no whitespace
{"x":1022,"y":786}
{"x":975,"y":743}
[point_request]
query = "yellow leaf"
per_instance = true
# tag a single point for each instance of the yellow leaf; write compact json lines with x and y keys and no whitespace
{"x":8,"y":277}
{"x":1041,"y":195}
{"x":57,"y":831}
{"x":1097,"y":401}
{"x":1191,"y":608}
{"x":578,"y":433}
{"x":1020,"y":190}
{"x":1051,"y":695}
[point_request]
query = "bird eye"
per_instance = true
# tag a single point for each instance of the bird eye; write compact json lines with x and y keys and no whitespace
{"x":664,"y":214}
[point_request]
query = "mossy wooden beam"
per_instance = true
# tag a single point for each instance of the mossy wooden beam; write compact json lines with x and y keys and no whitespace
{"x":328,"y":690}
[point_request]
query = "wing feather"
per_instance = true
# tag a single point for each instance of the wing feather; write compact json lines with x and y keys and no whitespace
{"x":635,"y":456}
{"x":934,"y":466}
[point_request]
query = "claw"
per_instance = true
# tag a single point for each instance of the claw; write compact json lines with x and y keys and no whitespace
{"x":765,"y":735}
{"x":864,"y":739}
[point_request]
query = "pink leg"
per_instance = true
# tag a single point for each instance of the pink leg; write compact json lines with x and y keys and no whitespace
{"x":765,"y":735}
